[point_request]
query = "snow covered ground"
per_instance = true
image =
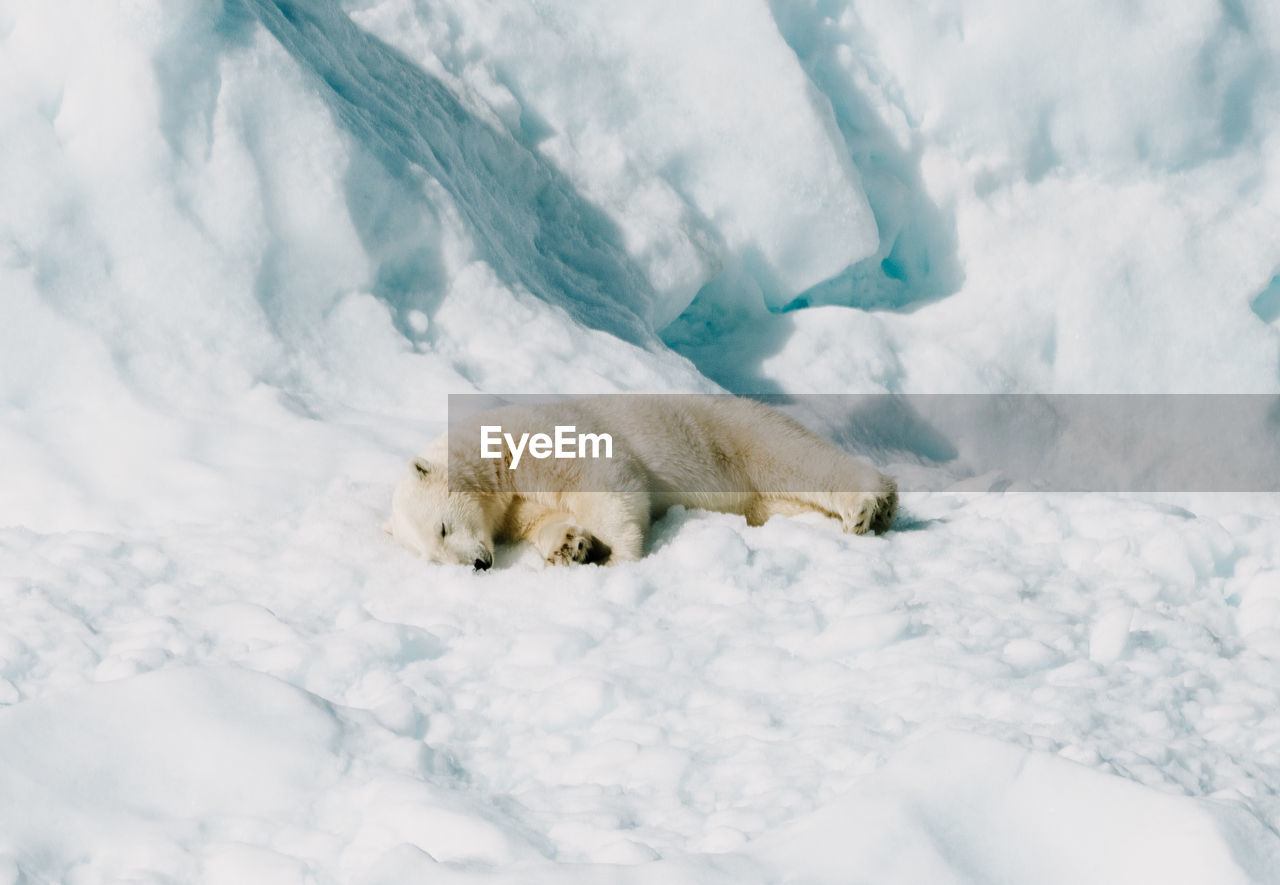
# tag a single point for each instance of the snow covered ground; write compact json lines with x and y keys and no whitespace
{"x":248,"y":248}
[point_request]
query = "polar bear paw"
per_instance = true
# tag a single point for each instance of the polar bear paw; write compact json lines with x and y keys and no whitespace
{"x":870,"y":511}
{"x":571,"y":544}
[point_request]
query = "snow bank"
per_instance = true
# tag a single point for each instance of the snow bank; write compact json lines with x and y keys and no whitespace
{"x":235,"y":247}
{"x":1070,"y":198}
{"x":692,"y":124}
{"x":958,"y":809}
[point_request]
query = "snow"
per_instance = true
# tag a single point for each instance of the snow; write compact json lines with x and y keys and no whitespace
{"x":248,"y":249}
{"x":676,"y":132}
{"x":955,"y":808}
{"x":204,"y":693}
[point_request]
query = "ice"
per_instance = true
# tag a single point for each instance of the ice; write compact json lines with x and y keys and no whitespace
{"x":705,"y":143}
{"x":1267,"y":302}
{"x":1069,"y":198}
{"x":248,"y":248}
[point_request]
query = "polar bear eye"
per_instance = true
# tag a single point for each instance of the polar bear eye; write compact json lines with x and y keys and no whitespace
{"x":444,"y":530}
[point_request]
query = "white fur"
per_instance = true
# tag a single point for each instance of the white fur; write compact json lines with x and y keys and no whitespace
{"x":716,"y":453}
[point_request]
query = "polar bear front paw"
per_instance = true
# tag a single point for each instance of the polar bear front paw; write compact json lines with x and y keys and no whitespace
{"x":571,"y":544}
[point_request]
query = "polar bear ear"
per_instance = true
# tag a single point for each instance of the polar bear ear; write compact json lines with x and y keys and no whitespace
{"x":423,"y":468}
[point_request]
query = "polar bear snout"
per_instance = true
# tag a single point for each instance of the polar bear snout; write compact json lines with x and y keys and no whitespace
{"x":484,"y":559}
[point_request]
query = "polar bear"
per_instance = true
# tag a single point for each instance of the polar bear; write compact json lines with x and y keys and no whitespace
{"x":490,"y":480}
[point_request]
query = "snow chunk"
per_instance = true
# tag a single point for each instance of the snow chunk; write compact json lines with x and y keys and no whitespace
{"x":1109,"y":635}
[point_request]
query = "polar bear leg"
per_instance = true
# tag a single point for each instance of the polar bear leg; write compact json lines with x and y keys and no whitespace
{"x":604,"y":528}
{"x":859,"y":512}
{"x":866,"y":511}
{"x":793,"y":467}
{"x":762,"y":509}
{"x":618,"y":520}
{"x":561,"y":541}
{"x":862,"y":512}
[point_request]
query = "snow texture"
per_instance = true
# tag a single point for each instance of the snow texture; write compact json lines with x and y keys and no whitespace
{"x":247,"y":249}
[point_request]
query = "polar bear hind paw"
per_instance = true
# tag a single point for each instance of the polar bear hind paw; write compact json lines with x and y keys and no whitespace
{"x":871,"y":512}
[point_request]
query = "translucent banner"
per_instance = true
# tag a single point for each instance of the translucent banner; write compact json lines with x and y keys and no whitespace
{"x":780,"y":444}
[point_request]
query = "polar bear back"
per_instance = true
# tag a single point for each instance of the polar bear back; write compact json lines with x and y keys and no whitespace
{"x":701,"y":451}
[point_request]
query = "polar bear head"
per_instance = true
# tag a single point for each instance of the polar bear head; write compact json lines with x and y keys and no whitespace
{"x":432,"y":521}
